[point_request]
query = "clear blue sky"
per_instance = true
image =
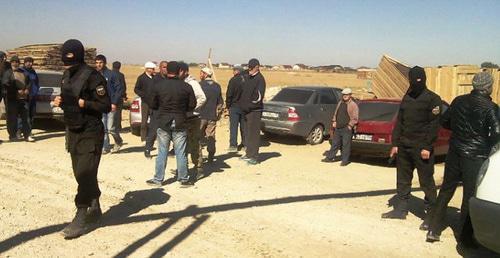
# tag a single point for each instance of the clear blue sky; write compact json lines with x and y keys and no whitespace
{"x":350,"y":33}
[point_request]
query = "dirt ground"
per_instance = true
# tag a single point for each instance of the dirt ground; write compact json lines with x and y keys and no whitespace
{"x":291,"y":205}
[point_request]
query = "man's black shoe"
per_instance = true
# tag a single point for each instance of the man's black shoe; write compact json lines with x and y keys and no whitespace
{"x":77,"y":227}
{"x":395,"y":214}
{"x":94,"y":212}
{"x":343,"y":164}
{"x":328,"y":160}
{"x":185,"y":184}
{"x":147,"y":154}
{"x":432,"y":237}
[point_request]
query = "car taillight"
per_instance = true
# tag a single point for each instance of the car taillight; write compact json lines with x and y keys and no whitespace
{"x":292,"y":115}
{"x":135,"y":106}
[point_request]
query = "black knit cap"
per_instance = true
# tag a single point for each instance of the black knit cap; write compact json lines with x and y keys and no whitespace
{"x":253,"y":63}
{"x":101,"y":58}
{"x":183,"y":66}
{"x":117,"y":65}
{"x":72,"y":52}
{"x":15,"y":59}
{"x":28,"y":59}
{"x":173,"y":67}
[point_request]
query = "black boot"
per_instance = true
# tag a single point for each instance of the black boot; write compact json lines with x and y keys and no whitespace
{"x":395,"y":214}
{"x":211,"y":157}
{"x":432,"y":236}
{"x":94,"y":212}
{"x":77,"y":227}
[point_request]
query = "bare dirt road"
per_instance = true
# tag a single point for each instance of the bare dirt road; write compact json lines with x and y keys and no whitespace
{"x":291,"y":205}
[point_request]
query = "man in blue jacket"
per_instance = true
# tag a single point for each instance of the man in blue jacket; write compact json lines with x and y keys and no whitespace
{"x":115,"y":90}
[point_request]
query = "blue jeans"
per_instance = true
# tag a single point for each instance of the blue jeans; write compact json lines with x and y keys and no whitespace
{"x":109,"y":122}
{"x":342,"y":139}
{"x":178,"y":137}
{"x":236,"y":117}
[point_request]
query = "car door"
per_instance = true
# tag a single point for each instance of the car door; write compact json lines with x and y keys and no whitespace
{"x":327,"y":105}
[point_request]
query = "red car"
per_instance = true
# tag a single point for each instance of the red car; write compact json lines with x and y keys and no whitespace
{"x":377,"y":119}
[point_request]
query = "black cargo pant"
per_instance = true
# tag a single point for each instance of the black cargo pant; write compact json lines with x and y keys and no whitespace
{"x":144,"y":120}
{"x":457,"y":169}
{"x":342,"y":139}
{"x":17,"y":109}
{"x":252,"y":134}
{"x":86,"y":149}
{"x":193,"y":141}
{"x":408,"y":159}
{"x":151,"y":131}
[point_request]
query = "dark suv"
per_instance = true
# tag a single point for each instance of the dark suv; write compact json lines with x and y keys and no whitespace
{"x":304,"y":111}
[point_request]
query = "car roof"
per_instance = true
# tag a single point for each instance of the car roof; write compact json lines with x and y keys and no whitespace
{"x":315,"y":88}
{"x":49,"y":72}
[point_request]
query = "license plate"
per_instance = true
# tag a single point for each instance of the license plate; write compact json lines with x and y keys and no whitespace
{"x":363,"y":137}
{"x":270,"y":114}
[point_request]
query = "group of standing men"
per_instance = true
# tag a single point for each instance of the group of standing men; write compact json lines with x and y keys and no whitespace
{"x":475,"y":130}
{"x":177,"y":108}
{"x":18,"y":88}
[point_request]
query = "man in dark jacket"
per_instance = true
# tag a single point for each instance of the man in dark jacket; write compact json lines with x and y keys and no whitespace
{"x":17,"y":85}
{"x":173,"y":98}
{"x":35,"y":86}
{"x":115,"y":91}
{"x":236,"y":116}
{"x":475,"y":129}
{"x":210,"y":112}
{"x":413,"y":138}
{"x":4,"y":67}
{"x":84,"y":98}
{"x":143,"y":84}
{"x":121,"y":79}
{"x":252,"y":104}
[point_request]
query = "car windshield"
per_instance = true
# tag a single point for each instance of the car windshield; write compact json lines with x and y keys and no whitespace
{"x":295,"y":96}
{"x":377,"y":111}
{"x":49,"y":80}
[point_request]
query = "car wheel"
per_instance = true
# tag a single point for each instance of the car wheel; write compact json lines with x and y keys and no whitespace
{"x":136,"y":130}
{"x":316,"y":136}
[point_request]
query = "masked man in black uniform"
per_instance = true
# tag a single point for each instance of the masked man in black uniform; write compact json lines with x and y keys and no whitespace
{"x":84,"y":98}
{"x":413,"y":138}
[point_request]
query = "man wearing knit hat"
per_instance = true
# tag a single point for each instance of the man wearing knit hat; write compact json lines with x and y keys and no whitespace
{"x":84,"y":98}
{"x":475,"y":129}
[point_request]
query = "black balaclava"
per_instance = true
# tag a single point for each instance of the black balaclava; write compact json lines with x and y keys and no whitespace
{"x":417,"y":78}
{"x":72,"y":52}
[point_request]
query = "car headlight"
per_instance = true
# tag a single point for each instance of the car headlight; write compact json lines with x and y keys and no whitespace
{"x":482,"y":172}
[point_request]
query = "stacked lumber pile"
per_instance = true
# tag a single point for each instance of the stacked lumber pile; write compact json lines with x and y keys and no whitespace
{"x":48,"y":56}
{"x":391,"y":80}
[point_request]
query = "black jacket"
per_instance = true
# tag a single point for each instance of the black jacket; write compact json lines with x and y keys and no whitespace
{"x":234,"y":90}
{"x":213,"y":105}
{"x":252,"y":96}
{"x":4,"y":67}
{"x":142,"y":87}
{"x":474,"y":125}
{"x":172,"y":98}
{"x":84,"y":82}
{"x":418,"y":121}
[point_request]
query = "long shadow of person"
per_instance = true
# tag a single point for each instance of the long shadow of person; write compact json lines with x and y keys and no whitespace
{"x":133,"y":202}
{"x":416,"y":206}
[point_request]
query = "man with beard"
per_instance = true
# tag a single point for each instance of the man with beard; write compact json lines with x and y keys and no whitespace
{"x":84,"y":98}
{"x":475,"y":129}
{"x":35,"y":86}
{"x":412,"y":140}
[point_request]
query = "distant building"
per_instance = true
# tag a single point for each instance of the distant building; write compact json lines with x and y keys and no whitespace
{"x":365,"y":73}
{"x":224,"y":65}
{"x":300,"y":67}
{"x":287,"y":67}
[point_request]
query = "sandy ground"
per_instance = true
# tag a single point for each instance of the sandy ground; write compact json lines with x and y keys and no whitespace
{"x":291,"y":205}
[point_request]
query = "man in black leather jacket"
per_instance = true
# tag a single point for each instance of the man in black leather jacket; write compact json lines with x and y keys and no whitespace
{"x":473,"y":121}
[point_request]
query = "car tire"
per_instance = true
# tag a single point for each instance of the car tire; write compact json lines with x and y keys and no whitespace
{"x":316,"y":136}
{"x":136,"y":130}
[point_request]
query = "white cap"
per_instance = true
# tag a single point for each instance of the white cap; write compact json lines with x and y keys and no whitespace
{"x":149,"y":65}
{"x":207,"y":71}
{"x":346,"y":91}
